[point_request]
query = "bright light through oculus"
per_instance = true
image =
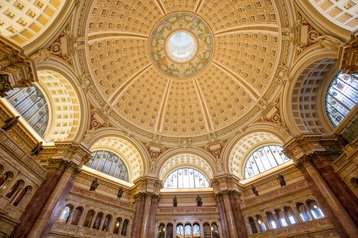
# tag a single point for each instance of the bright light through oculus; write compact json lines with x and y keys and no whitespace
{"x":181,"y":46}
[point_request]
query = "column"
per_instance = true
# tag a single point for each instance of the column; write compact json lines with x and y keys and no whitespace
{"x":153,"y":211}
{"x":229,"y":216}
{"x":219,"y":202}
{"x":138,"y":215}
{"x":49,"y":212}
{"x":147,"y":206}
{"x":337,"y":208}
{"x":239,"y":220}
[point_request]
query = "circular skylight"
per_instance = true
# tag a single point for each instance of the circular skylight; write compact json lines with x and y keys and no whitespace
{"x":181,"y":46}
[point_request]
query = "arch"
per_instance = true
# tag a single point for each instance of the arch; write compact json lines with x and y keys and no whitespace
{"x":131,"y":151}
{"x":64,"y":104}
{"x":241,"y":146}
{"x":7,"y":176}
{"x":187,"y":178}
{"x":261,"y":224}
{"x":300,"y":107}
{"x":161,"y":230}
{"x":24,"y":192}
{"x":169,"y":231}
{"x":71,"y":80}
{"x":125,"y":227}
{"x":107,"y":221}
{"x":215,"y":230}
{"x":109,"y":163}
{"x":97,"y":221}
{"x":207,"y":230}
{"x":316,"y":212}
{"x":77,"y":216}
{"x":252,"y":225}
{"x":196,"y":230}
{"x":89,"y":217}
{"x":15,"y":189}
{"x":180,"y":230}
{"x":303,"y":212}
{"x":271,"y":220}
{"x":292,"y":219}
{"x":192,"y":157}
{"x":280,"y":217}
{"x":66,"y":213}
{"x":117,"y":225}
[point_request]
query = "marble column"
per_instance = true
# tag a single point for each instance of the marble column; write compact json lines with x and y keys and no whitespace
{"x":333,"y":202}
{"x":229,"y":215}
{"x":146,"y":212}
{"x":52,"y":207}
{"x":219,"y":202}
{"x":338,"y":187}
{"x":137,"y":222}
{"x":236,"y":209}
{"x":153,"y":212}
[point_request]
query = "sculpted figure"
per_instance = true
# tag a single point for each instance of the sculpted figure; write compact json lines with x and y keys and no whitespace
{"x":37,"y":149}
{"x":253,"y":188}
{"x":120,"y":192}
{"x":199,"y":201}
{"x":94,"y":184}
{"x":175,"y":201}
{"x":10,"y":123}
{"x":281,"y":180}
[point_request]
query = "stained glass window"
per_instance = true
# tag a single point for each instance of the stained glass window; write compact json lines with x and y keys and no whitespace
{"x":263,"y":159}
{"x":31,"y":105}
{"x":186,"y":178}
{"x":341,"y":97}
{"x":109,"y":163}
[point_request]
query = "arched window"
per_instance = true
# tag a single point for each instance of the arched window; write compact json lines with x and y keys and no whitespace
{"x":263,"y":159}
{"x":106,"y":223}
{"x":88,"y":219}
{"x":271,"y":220}
{"x":66,"y":212}
{"x":5,"y":177}
{"x":304,"y":214}
{"x":186,"y":178}
{"x":180,"y":230}
{"x":314,"y":209}
{"x":262,"y":226}
{"x":280,"y":218}
{"x":207,"y":230}
{"x":31,"y":105}
{"x":341,"y":97}
{"x":215,"y":230}
{"x":252,"y":225}
{"x":161,"y":231}
{"x":290,"y":215}
{"x":15,"y":189}
{"x":125,"y":227}
{"x":196,"y":230}
{"x":109,"y":163}
{"x":97,"y":222}
{"x":188,"y":231}
{"x":117,"y":225}
{"x":23,"y":193}
{"x":169,"y":231}
{"x":77,"y":216}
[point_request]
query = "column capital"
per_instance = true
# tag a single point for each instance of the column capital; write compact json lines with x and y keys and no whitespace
{"x":72,"y":154}
{"x":147,"y":185}
{"x":348,"y":54}
{"x":226,"y":183}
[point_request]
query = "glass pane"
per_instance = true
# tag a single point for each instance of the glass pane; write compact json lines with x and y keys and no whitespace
{"x":186,"y":178}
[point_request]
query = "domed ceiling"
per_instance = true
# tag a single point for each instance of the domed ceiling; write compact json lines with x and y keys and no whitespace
{"x":183,"y":68}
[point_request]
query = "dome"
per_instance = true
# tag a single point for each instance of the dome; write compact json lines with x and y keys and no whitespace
{"x":183,"y":70}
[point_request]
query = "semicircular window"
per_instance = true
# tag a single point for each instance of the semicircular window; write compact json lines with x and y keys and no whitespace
{"x":186,"y":178}
{"x":108,"y":163}
{"x":263,"y":159}
{"x":31,"y":105}
{"x":341,"y":97}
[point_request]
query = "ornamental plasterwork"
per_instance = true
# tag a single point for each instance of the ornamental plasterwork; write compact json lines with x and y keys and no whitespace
{"x":140,"y":98}
{"x":186,"y":22}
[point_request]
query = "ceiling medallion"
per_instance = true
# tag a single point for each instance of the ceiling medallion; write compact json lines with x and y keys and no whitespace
{"x":181,"y":45}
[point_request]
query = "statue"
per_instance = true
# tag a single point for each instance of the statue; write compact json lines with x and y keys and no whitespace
{"x":94,"y":184}
{"x":120,"y":192}
{"x":199,"y":201}
{"x":175,"y":201}
{"x":281,"y":179}
{"x":253,"y":188}
{"x":37,"y":149}
{"x":10,"y":123}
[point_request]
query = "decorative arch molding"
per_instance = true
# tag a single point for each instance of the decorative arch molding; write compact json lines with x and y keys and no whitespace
{"x":130,"y":150}
{"x":240,"y":146}
{"x":201,"y":160}
{"x":77,"y":97}
{"x":322,"y":22}
{"x":290,"y":107}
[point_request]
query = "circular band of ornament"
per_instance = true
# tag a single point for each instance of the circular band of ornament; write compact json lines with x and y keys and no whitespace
{"x":181,"y":45}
